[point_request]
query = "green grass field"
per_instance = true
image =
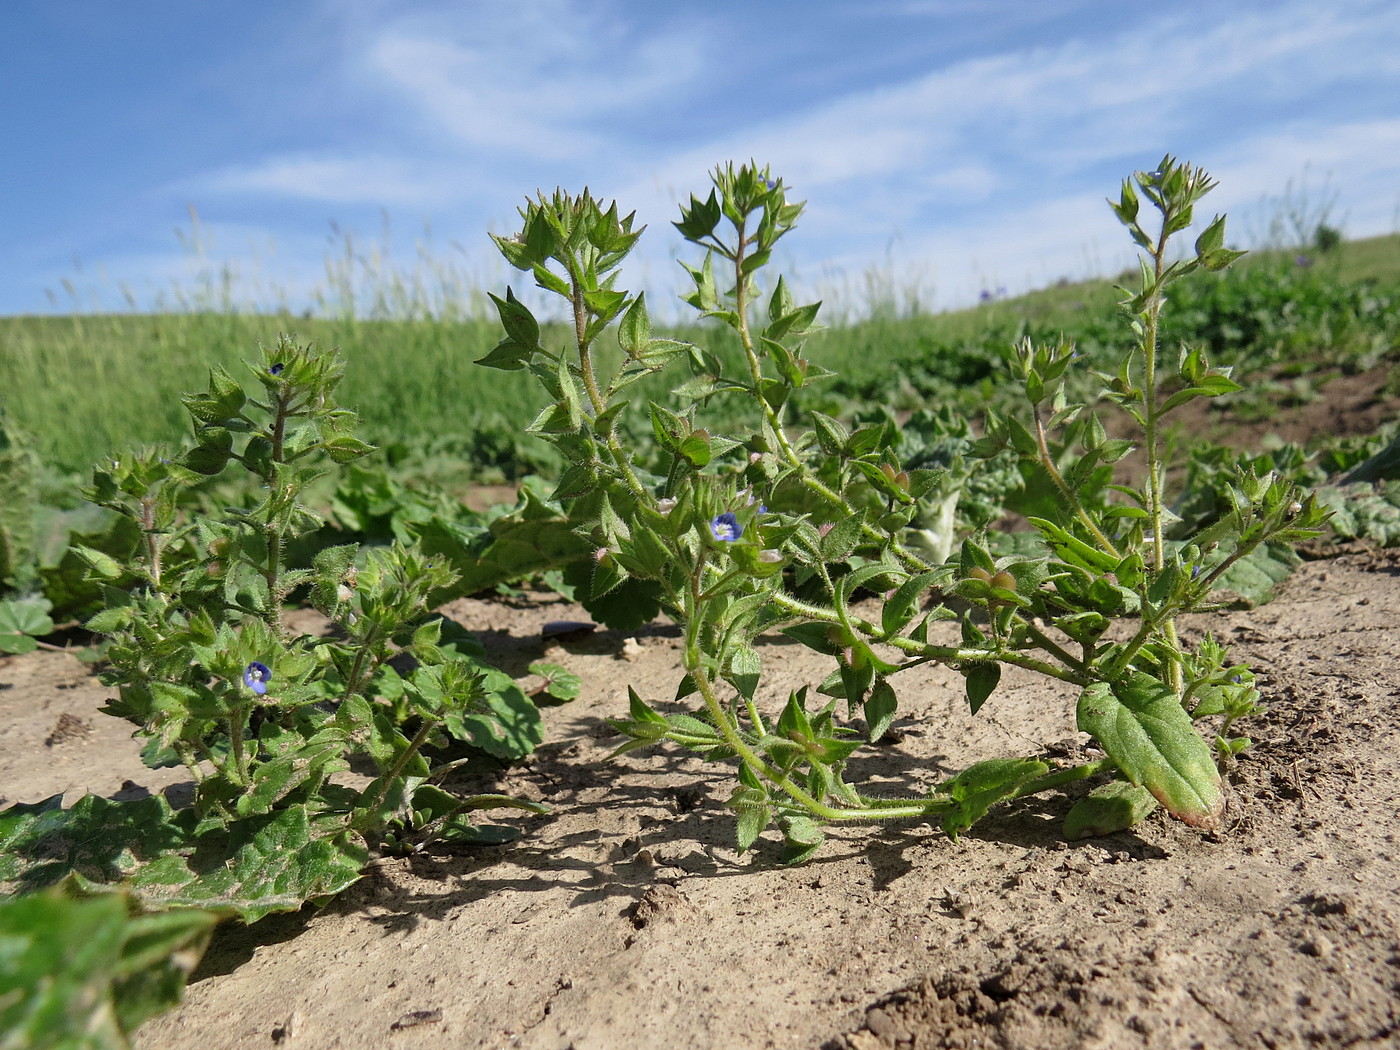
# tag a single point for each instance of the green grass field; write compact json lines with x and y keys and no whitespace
{"x":81,"y":385}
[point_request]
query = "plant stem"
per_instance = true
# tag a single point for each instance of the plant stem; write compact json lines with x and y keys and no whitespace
{"x":387,"y":780}
{"x":927,"y":652}
{"x":359,"y":673}
{"x":1059,"y":777}
{"x":237,"y":716}
{"x":724,"y":723}
{"x":1069,"y":495}
{"x":775,"y":421}
{"x":1151,"y":417}
{"x":148,"y":528}
{"x":585,"y":360}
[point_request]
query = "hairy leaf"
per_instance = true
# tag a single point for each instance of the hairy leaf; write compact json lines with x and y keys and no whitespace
{"x":1142,"y":726}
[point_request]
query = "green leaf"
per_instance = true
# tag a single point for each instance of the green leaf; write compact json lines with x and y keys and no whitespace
{"x":634,"y":330}
{"x":979,"y":787}
{"x":982,"y":679}
{"x":520,"y":325}
{"x":85,"y":972}
{"x":560,"y":683}
{"x":549,"y":280}
{"x":1209,"y":386}
{"x":510,"y":728}
{"x":346,"y":449}
{"x":838,"y":544}
{"x":1114,"y":806}
{"x":507,"y":355}
{"x":624,"y":607}
{"x":275,"y":863}
{"x":102,"y":840}
{"x":252,"y":868}
{"x":212,"y":453}
{"x":745,"y":670}
{"x":802,"y":837}
{"x":1252,"y":579}
{"x":1142,"y":726}
{"x":831,"y":434}
{"x":880,"y":709}
{"x":26,"y":616}
{"x":901,"y":606}
{"x":751,"y":804}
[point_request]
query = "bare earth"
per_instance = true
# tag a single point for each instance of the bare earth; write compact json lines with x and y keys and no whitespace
{"x":625,"y":919}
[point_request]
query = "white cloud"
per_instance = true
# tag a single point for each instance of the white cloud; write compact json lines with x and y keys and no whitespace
{"x":994,"y":170}
{"x":336,"y":179}
{"x":1352,"y":164}
{"x":987,"y":170}
{"x":541,"y":80}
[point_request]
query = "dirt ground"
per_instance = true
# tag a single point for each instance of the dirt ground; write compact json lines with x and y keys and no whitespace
{"x":625,"y":919}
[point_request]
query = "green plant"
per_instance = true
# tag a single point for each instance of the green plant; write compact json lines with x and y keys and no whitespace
{"x":784,"y":526}
{"x":202,"y":661}
{"x":85,"y":971}
{"x":23,"y":623}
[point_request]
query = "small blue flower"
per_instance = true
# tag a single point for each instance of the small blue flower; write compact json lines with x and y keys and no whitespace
{"x":277,"y":368}
{"x":725,"y":527}
{"x":256,"y":676}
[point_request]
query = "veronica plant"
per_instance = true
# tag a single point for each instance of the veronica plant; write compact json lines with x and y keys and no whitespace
{"x":203,"y":661}
{"x":804,"y":526}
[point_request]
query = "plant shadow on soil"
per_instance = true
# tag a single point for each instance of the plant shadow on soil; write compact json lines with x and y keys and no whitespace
{"x":624,"y":918}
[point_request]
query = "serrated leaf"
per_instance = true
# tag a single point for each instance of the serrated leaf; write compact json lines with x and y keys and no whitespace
{"x":102,"y":840}
{"x":509,"y":728}
{"x":1142,"y":726}
{"x":275,"y":863}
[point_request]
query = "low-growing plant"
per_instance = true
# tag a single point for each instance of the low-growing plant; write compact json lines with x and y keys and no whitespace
{"x":81,"y":971}
{"x":802,"y":526}
{"x":265,"y":719}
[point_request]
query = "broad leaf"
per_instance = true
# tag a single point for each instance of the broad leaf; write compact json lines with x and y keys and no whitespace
{"x":86,"y":972}
{"x":509,"y":729}
{"x":1142,"y":726}
{"x":257,"y":866}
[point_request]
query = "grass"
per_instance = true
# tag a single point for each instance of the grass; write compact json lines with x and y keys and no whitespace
{"x":82,"y":385}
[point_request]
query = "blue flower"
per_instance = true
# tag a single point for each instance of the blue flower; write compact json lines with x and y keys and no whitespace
{"x":277,"y":368}
{"x":725,"y":527}
{"x":256,"y":676}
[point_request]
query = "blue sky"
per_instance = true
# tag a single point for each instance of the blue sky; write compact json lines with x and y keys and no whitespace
{"x":947,"y":146}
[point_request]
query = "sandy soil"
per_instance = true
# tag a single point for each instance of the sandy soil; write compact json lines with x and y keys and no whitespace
{"x":625,"y":919}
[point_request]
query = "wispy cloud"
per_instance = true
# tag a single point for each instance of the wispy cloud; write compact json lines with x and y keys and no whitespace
{"x":544,"y":80}
{"x":336,"y":179}
{"x":928,"y":135}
